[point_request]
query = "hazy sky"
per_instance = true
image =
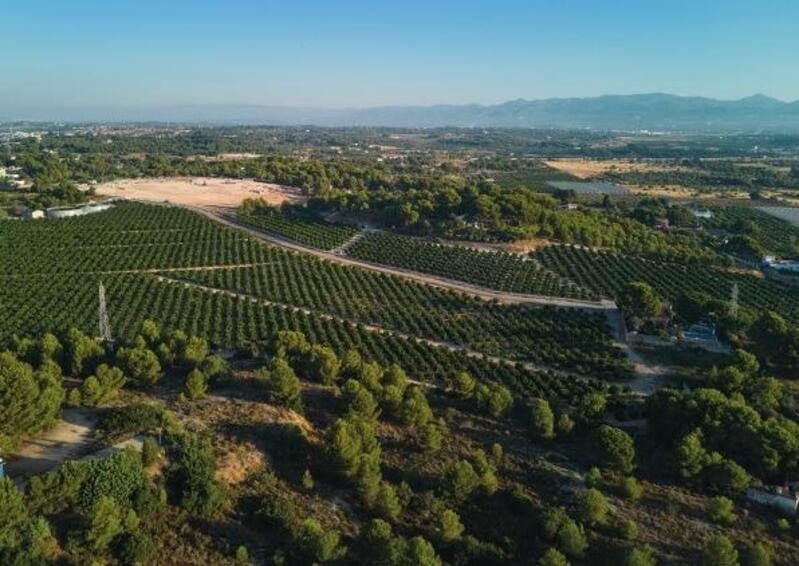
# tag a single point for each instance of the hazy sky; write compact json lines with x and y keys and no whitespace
{"x":81,"y":53}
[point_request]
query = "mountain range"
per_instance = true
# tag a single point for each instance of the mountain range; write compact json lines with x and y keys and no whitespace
{"x":653,"y":112}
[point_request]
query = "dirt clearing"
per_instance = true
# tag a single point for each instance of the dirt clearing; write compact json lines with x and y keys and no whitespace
{"x":588,"y":168}
{"x":199,"y":191}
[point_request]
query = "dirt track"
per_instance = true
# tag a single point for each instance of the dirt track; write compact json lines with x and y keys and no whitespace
{"x":424,"y":278}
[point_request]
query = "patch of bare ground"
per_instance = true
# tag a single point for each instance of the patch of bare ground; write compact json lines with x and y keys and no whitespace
{"x":198,"y":191}
{"x":588,"y":168}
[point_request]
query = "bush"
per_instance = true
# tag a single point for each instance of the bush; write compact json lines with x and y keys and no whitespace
{"x":196,"y":385}
{"x":191,"y":476}
{"x":281,"y":384}
{"x":31,"y":400}
{"x":105,"y":523}
{"x":448,"y":526}
{"x":12,"y":513}
{"x":719,"y":551}
{"x":118,"y":476}
{"x":132,"y":419}
{"x":137,"y":548}
{"x":553,"y":557}
{"x":616,"y":449}
{"x":593,"y":477}
{"x":722,"y":511}
{"x":643,"y":556}
{"x":631,"y":488}
{"x":542,"y":420}
{"x":141,"y":364}
{"x":758,"y":555}
{"x":387,"y":505}
{"x":150,"y":451}
{"x":460,"y":480}
{"x":594,"y":507}
{"x":318,"y":544}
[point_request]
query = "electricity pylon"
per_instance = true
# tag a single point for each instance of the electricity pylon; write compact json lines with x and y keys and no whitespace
{"x":105,"y":327}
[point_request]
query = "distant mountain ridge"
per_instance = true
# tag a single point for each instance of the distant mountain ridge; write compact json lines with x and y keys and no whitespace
{"x":656,"y":112}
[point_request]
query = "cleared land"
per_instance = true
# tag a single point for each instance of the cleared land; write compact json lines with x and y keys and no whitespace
{"x":199,"y":191}
{"x":588,"y":168}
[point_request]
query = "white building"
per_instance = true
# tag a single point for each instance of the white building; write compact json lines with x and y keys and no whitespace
{"x":79,"y":211}
{"x":34,"y":214}
{"x":705,"y":214}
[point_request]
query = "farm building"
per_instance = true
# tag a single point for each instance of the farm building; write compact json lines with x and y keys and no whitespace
{"x":78,"y":211}
{"x":33,"y":214}
{"x":780,"y":499}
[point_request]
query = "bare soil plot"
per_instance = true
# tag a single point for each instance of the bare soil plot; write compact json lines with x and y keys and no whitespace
{"x":69,"y":438}
{"x":199,"y":191}
{"x":587,"y":168}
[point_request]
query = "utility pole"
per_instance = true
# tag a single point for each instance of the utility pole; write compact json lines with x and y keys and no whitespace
{"x":734,"y":300}
{"x":105,"y":327}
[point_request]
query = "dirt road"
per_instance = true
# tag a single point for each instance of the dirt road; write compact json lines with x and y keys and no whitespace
{"x":424,"y":278}
{"x":70,"y":438}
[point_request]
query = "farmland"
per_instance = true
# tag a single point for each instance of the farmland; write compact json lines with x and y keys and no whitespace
{"x":496,"y":270}
{"x":608,"y":273}
{"x":314,"y":233}
{"x":405,"y":391}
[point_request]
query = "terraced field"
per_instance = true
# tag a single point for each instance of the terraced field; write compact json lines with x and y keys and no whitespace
{"x":607,"y":273}
{"x":495,"y":270}
{"x":53,"y":286}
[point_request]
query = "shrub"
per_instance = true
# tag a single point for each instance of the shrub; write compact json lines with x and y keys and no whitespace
{"x":448,"y":526}
{"x":12,"y":513}
{"x":132,"y":419}
{"x":553,"y":557}
{"x":719,"y":551}
{"x":565,"y":424}
{"x":387,"y":504}
{"x":722,"y":511}
{"x":542,"y":420}
{"x":460,"y":480}
{"x":594,"y":507}
{"x":191,"y":476}
{"x":150,"y":451}
{"x":282,"y":384}
{"x":141,"y":364}
{"x":137,"y":548}
{"x":30,"y":401}
{"x":196,"y":385}
{"x":631,"y":488}
{"x":616,"y":449}
{"x":318,"y":544}
{"x":105,"y":523}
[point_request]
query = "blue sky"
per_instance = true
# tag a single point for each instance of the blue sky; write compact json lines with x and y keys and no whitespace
{"x":81,"y":53}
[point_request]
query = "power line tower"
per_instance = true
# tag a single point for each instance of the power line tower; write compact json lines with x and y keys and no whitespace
{"x":734,"y":300}
{"x":105,"y":327}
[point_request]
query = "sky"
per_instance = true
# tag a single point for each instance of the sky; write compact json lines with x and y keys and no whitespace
{"x":147,"y":53}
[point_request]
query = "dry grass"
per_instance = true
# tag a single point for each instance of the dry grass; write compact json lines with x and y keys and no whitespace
{"x":198,"y":191}
{"x":588,"y":168}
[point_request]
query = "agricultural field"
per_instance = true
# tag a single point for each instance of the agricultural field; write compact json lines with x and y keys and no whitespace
{"x":608,"y":273}
{"x":311,"y":232}
{"x":493,"y":269}
{"x":134,"y":243}
{"x":771,"y":228}
{"x":262,"y":405}
{"x":589,"y":187}
{"x":788,"y":214}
